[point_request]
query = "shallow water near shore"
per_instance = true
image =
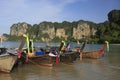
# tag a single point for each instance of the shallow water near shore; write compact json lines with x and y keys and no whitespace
{"x":105,"y":68}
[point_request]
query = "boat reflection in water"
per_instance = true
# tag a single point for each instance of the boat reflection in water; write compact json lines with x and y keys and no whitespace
{"x":94,"y":69}
{"x":37,"y":72}
{"x":5,"y":77}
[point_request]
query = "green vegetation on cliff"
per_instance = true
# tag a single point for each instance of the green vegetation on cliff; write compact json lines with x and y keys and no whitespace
{"x":108,"y":30}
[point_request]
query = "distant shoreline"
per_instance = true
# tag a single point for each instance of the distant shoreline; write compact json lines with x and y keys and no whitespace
{"x":114,"y":44}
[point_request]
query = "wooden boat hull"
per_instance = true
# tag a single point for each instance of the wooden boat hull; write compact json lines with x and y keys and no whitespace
{"x":68,"y":57}
{"x":91,"y":54}
{"x":43,"y":60}
{"x":46,"y":60}
{"x":7,"y":62}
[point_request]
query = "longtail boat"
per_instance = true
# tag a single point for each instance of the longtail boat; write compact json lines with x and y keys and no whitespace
{"x":95,"y":54}
{"x":50,"y":57}
{"x":7,"y":61}
{"x":8,"y":58}
{"x":47,"y":57}
{"x":43,"y":60}
{"x":92,"y":54}
{"x":54,"y":55}
{"x":66,"y":55}
{"x":43,"y":57}
{"x":33,"y":55}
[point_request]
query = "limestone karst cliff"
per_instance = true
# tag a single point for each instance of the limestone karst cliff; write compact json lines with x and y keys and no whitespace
{"x":46,"y":31}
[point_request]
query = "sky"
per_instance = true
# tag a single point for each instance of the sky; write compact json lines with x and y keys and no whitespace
{"x":37,"y":11}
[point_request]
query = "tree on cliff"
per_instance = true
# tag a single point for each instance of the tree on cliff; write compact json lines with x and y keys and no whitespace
{"x":110,"y":30}
{"x":114,"y":16}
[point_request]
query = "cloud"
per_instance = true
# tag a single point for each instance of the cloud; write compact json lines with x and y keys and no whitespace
{"x":32,"y":11}
{"x":8,"y":6}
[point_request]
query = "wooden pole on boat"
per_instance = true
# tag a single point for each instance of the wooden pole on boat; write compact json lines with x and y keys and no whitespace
{"x":1,"y":41}
{"x":31,"y":46}
{"x":21,"y":46}
{"x":78,"y":42}
{"x":57,"y":60}
{"x":81,"y":49}
{"x":83,"y":46}
{"x":27,"y":40}
{"x":22,"y":43}
{"x":107,"y":44}
{"x":62,"y":45}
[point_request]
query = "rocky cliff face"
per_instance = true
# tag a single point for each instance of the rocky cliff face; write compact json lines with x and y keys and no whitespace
{"x":18,"y":29}
{"x":48,"y":31}
{"x":81,"y":31}
{"x":61,"y":33}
